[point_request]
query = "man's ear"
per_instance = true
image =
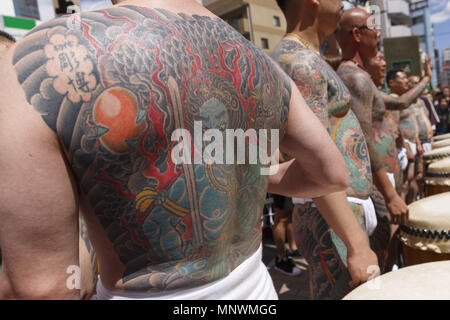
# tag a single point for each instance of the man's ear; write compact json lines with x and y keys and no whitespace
{"x":315,"y":3}
{"x":356,"y":34}
{"x":391,"y":83}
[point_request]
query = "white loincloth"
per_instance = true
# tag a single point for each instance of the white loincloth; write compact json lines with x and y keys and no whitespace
{"x":412,"y":146}
{"x":369,"y":210}
{"x":301,"y":200}
{"x":391,"y":178}
{"x":249,"y":281}
{"x":427,"y":147}
{"x":369,"y":213}
{"x":403,"y":158}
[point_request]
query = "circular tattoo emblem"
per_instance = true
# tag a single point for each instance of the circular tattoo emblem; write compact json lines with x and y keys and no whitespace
{"x":116,"y":110}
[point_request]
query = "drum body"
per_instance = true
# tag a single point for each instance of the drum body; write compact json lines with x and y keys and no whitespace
{"x":441,"y":137}
{"x":436,"y":155}
{"x":437,"y":177}
{"x":431,"y":190}
{"x":426,"y":235}
{"x":441,"y":144}
{"x":429,"y":281}
{"x":413,"y":256}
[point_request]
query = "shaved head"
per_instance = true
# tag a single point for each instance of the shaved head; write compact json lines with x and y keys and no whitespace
{"x":353,"y":17}
{"x":357,"y":34}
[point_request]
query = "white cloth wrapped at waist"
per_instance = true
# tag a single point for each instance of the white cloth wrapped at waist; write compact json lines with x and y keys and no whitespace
{"x":427,"y":147}
{"x":412,"y":146}
{"x":369,"y":210}
{"x":403,"y":158}
{"x":391,"y":178}
{"x":369,"y":213}
{"x":249,"y":281}
{"x":301,"y":200}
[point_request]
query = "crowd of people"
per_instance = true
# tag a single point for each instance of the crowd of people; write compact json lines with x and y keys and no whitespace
{"x":88,"y":176}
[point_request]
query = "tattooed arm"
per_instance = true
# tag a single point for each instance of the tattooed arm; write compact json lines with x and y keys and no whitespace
{"x":363,"y":91}
{"x":38,"y":201}
{"x":318,"y":163}
{"x":361,"y":103}
{"x":405,"y":100}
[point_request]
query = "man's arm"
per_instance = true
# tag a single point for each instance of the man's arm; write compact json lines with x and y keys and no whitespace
{"x":415,"y":115}
{"x":317,"y":167}
{"x":363,"y":91}
{"x":405,"y":100}
{"x":336,"y":211}
{"x":38,"y":201}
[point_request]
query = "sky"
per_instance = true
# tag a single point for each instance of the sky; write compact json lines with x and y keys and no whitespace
{"x":440,"y":10}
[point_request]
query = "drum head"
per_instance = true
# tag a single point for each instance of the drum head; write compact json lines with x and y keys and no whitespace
{"x":428,"y":281}
{"x":428,"y":227}
{"x":438,"y":173}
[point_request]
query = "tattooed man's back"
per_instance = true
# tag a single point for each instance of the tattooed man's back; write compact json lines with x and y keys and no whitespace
{"x":115,"y":96}
{"x":118,"y":86}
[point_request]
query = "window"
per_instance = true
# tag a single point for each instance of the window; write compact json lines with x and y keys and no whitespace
{"x":417,"y":20}
{"x":276,"y":21}
{"x":265,"y":43}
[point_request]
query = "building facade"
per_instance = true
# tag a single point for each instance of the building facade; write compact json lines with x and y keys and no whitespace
{"x":260,"y":21}
{"x":394,"y":17}
{"x":445,"y":81}
{"x":423,"y":28}
{"x":17,"y":17}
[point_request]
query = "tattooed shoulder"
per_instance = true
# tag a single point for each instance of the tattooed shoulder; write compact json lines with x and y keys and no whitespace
{"x":320,"y":86}
{"x":305,"y":69}
{"x":362,"y":90}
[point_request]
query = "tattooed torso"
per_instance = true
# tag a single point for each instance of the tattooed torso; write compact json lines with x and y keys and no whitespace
{"x":114,"y":90}
{"x":363,"y":93}
{"x":393,"y":119}
{"x":423,"y":121}
{"x":408,"y":124}
{"x":328,"y":97}
{"x":383,"y":135}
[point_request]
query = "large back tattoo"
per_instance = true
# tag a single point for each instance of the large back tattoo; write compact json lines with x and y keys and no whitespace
{"x":114,"y":90}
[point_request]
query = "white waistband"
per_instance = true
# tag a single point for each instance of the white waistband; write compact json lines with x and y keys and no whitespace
{"x":427,"y":146}
{"x":369,"y":213}
{"x":369,"y":210}
{"x":249,"y":281}
{"x":301,"y":200}
{"x":413,"y":146}
{"x":391,"y":178}
{"x":402,"y":158}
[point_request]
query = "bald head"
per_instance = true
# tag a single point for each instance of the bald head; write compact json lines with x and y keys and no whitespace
{"x":357,"y":35}
{"x":353,"y":17}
